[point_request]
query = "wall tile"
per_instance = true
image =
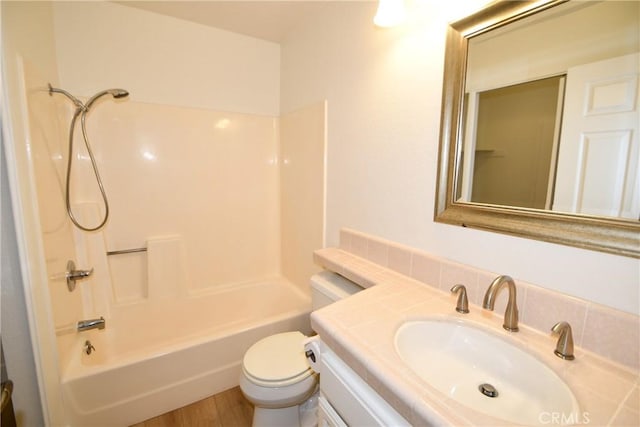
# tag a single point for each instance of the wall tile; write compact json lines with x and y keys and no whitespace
{"x":378,"y":252}
{"x":604,"y":331}
{"x":613,"y":334}
{"x":359,"y":245}
{"x":633,"y":401}
{"x":425,"y":269}
{"x":345,"y":240}
{"x":544,"y":309}
{"x":626,"y":417}
{"x":399,"y":260}
{"x":454,"y":273}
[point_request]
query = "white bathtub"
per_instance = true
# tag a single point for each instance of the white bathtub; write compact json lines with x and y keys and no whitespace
{"x":154,"y":358}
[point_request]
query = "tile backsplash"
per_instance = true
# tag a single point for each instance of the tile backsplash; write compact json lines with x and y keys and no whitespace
{"x":607,"y":332}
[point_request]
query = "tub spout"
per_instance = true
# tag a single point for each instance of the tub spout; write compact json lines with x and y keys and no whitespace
{"x":85,"y":325}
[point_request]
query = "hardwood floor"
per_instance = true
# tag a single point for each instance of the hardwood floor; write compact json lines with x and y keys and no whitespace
{"x":226,"y":409}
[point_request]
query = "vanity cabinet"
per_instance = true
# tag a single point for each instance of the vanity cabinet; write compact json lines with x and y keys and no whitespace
{"x":346,"y":399}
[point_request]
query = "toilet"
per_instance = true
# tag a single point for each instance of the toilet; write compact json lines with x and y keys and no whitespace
{"x":276,"y":376}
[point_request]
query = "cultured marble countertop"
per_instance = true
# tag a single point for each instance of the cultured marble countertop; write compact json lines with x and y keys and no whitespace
{"x":361,"y":329}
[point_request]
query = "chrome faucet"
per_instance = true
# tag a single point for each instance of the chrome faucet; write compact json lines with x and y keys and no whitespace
{"x":511,"y":312}
{"x":85,"y":325}
{"x":564,"y":348}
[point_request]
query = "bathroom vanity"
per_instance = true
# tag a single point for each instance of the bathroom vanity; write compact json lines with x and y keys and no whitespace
{"x":362,"y":366}
{"x":346,"y":399}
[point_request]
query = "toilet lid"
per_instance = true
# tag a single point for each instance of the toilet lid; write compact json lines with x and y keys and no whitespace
{"x":277,"y":358}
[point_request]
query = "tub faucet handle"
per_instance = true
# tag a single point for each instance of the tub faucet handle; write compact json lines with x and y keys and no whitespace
{"x":73,"y":275}
{"x":462,"y":306}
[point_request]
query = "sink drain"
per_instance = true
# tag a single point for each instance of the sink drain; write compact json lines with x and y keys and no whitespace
{"x":488,"y":390}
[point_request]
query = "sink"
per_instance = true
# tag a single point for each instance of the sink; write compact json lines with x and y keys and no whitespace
{"x":485,"y":372}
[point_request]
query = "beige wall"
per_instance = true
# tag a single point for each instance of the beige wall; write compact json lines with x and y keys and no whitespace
{"x":384,"y":89}
{"x":164,"y":60}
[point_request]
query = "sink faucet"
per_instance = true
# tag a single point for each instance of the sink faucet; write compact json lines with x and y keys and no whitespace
{"x":85,"y":325}
{"x":511,"y":312}
{"x":564,"y":348}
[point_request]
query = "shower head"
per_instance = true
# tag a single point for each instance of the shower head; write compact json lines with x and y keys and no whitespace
{"x":116,"y":93}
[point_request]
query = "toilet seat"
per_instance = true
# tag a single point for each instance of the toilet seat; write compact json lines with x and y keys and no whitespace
{"x":277,"y":360}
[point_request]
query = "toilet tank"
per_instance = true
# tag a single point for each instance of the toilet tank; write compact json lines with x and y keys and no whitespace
{"x":328,"y":287}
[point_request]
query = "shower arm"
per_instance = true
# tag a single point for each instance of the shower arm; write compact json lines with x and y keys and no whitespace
{"x":79,"y":105}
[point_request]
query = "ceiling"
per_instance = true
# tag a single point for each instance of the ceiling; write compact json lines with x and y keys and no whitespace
{"x":268,"y":20}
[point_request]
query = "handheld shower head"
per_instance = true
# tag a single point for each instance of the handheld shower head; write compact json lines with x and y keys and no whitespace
{"x":116,"y":93}
{"x":81,"y":112}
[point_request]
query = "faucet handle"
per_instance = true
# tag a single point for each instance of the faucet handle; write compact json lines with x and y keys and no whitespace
{"x":564,"y":347}
{"x":72,"y":275}
{"x":462,"y":306}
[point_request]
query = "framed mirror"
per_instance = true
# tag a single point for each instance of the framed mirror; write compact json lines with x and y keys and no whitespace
{"x":539,"y":127}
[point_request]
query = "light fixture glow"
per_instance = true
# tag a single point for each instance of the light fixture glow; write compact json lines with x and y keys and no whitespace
{"x":222,"y":123}
{"x":390,"y":13}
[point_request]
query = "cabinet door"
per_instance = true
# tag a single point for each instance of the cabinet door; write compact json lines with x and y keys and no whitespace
{"x":327,"y":416}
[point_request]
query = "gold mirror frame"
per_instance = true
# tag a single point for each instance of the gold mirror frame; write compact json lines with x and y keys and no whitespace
{"x":620,"y":237}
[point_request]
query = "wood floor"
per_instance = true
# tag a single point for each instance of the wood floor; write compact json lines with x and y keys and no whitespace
{"x":226,"y":409}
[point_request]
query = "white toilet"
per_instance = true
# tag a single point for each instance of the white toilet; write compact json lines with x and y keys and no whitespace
{"x":276,"y":376}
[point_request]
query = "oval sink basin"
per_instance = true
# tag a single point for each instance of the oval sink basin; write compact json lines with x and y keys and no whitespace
{"x":485,"y":372}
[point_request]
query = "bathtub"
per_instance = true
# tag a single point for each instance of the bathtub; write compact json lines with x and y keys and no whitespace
{"x":153,"y":358}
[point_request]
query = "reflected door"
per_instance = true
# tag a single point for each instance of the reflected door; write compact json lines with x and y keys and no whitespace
{"x":599,"y":148}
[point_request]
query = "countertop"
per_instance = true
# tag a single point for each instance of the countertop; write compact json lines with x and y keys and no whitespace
{"x":361,"y":329}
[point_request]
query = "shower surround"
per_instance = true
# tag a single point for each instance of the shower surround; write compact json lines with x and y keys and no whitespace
{"x":209,"y":208}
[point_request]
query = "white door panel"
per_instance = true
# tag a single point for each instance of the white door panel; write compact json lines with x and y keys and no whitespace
{"x":599,"y":148}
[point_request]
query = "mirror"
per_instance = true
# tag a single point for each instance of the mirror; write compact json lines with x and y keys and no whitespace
{"x":538,"y":138}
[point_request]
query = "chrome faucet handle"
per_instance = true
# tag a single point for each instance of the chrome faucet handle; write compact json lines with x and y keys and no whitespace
{"x":72,"y":275}
{"x":564,"y":347}
{"x":462,"y":306}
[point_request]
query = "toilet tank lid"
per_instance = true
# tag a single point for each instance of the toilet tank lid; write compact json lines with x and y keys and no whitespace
{"x":333,"y":285}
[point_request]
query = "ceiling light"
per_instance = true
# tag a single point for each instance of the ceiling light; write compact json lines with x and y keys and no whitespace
{"x":390,"y":13}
